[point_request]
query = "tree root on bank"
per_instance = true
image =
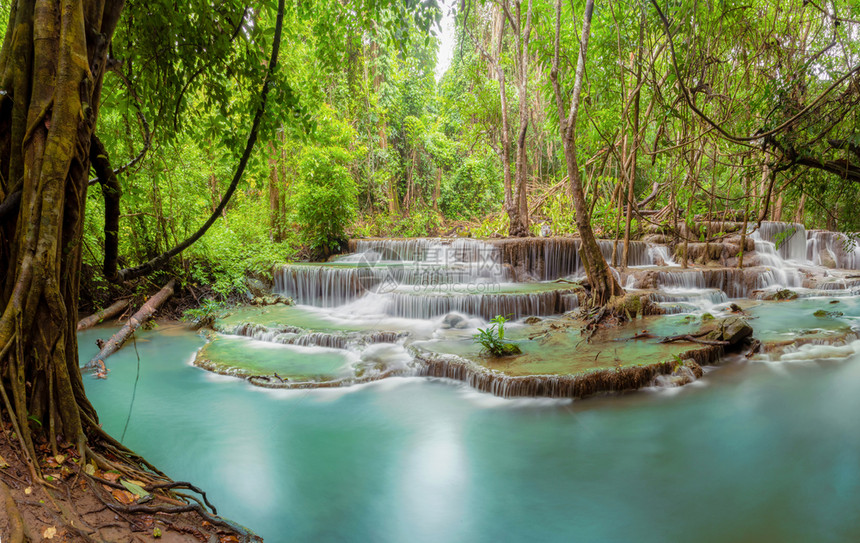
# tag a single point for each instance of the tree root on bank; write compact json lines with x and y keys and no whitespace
{"x":164,"y":486}
{"x":16,"y":522}
{"x":169,"y":509}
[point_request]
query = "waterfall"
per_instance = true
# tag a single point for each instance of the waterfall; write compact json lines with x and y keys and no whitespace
{"x":732,"y":281}
{"x":510,"y":305}
{"x":381,"y":265}
{"x":833,"y":250}
{"x":780,"y":272}
{"x":692,"y":279}
{"x":639,"y":252}
{"x":659,"y":253}
{"x":791,"y":238}
{"x":326,"y":286}
{"x":290,"y":335}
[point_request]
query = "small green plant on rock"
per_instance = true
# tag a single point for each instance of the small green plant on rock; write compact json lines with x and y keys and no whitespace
{"x":492,"y":339}
{"x":205,"y":315}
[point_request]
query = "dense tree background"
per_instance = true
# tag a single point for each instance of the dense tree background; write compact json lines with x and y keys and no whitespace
{"x":361,"y":122}
{"x":684,"y":109}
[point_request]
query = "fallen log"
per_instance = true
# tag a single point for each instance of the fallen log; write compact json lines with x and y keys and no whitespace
{"x":143,"y":314}
{"x":106,"y":313}
{"x":693,"y":339}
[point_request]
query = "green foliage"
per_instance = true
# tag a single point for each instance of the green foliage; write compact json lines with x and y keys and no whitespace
{"x":492,"y":339}
{"x":421,"y":222}
{"x":205,"y":314}
{"x":492,"y":226}
{"x":325,"y":202}
{"x":782,"y":237}
{"x":473,"y":189}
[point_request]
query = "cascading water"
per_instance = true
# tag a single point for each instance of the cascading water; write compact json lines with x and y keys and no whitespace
{"x":790,"y":238}
{"x":660,"y":253}
{"x":438,"y":292}
{"x":832,"y":250}
{"x":780,"y":247}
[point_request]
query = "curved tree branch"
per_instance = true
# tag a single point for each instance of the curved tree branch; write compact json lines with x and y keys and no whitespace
{"x":147,"y":134}
{"x":162,"y":259}
{"x":731,"y":137}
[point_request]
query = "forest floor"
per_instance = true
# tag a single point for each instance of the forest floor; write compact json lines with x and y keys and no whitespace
{"x":75,"y":507}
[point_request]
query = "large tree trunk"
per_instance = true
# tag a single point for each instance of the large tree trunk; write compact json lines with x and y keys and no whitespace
{"x":53,"y":62}
{"x":603,"y":283}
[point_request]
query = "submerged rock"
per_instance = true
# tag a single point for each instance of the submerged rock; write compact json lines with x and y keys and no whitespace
{"x":822,"y":314}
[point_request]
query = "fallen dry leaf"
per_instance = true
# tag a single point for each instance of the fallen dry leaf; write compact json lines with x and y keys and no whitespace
{"x":111,"y":476}
{"x":28,"y":490}
{"x":3,"y":463}
{"x":123,"y":496}
{"x":49,"y":532}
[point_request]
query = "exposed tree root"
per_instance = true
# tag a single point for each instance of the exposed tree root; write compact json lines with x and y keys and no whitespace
{"x":17,"y":528}
{"x":170,"y":509}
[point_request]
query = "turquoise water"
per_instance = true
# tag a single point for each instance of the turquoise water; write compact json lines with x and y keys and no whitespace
{"x":752,"y":452}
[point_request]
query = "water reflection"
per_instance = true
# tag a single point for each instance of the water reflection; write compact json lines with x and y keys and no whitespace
{"x":756,"y":455}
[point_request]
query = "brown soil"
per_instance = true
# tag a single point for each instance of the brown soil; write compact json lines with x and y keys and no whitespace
{"x":75,"y":506}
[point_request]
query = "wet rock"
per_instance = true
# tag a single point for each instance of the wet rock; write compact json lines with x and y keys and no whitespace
{"x":658,"y":239}
{"x":732,"y":330}
{"x":827,"y":259}
{"x":454,"y":320}
{"x":271,"y":299}
{"x":533,"y":320}
{"x":645,"y":279}
{"x":735,"y":242}
{"x":776,"y":295}
{"x":822,"y":314}
{"x":256,"y":287}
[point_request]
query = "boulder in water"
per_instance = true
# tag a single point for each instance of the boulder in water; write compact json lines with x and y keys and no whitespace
{"x":732,"y":330}
{"x":780,"y":295}
{"x":454,"y":320}
{"x":256,"y":287}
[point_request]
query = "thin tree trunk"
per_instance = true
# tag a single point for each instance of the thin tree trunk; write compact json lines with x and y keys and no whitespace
{"x":112,"y":310}
{"x":632,"y":175}
{"x":798,"y":215}
{"x":602,"y":281}
{"x":142,"y":315}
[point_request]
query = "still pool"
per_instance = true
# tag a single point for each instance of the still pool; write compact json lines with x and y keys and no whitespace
{"x":752,"y":452}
